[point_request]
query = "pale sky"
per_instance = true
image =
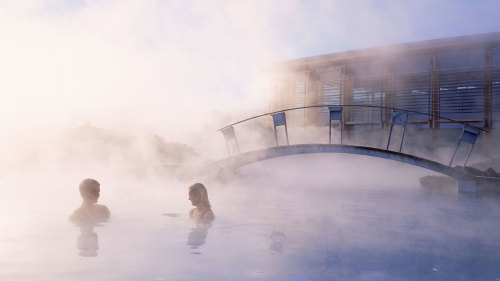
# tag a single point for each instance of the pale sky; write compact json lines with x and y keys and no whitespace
{"x":170,"y":64}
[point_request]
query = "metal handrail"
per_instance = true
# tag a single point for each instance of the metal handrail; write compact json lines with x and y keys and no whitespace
{"x":352,"y":105}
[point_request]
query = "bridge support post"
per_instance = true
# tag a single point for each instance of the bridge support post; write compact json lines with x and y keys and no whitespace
{"x":398,"y":118}
{"x":229,"y":135}
{"x":279,"y":119}
{"x":469,"y":135}
{"x":336,"y":114}
{"x":467,"y":186}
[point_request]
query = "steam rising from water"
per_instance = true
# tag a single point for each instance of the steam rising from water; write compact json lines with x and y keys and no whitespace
{"x":164,"y":66}
{"x":300,"y":218}
{"x":122,"y":92}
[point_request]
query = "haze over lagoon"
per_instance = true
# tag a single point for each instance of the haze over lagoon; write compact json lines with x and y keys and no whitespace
{"x":124,"y":92}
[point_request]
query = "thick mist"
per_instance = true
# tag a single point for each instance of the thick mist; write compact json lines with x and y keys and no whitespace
{"x":132,"y":94}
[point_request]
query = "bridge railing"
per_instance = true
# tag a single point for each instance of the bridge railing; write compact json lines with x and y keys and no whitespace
{"x":399,"y":117}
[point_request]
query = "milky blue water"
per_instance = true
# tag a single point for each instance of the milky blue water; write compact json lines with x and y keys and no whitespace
{"x":265,"y":229}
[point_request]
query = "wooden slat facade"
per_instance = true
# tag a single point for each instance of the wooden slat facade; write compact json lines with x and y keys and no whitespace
{"x":457,"y":78}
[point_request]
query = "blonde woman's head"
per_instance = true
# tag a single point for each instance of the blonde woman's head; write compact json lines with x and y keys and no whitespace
{"x":198,"y":195}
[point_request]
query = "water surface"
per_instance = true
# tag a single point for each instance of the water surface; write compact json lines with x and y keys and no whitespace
{"x":267,"y":228}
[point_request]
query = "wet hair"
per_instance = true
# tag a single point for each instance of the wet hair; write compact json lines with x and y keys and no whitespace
{"x":199,"y":188}
{"x":87,"y":183}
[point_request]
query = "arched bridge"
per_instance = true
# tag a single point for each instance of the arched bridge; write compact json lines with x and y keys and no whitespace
{"x":467,"y":178}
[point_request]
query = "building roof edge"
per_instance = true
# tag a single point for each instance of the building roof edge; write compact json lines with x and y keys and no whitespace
{"x":426,"y":45}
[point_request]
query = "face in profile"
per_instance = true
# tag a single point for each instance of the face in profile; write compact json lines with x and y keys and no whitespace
{"x":195,"y":197}
{"x":199,"y":198}
{"x":91,"y":193}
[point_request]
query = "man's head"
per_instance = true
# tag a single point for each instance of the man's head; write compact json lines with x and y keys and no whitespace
{"x":89,"y":190}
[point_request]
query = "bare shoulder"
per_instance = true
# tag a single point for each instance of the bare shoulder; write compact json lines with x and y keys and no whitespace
{"x":103,"y":211}
{"x":103,"y":208}
{"x":95,"y":213}
{"x":77,"y":215}
{"x":191,"y":213}
{"x":209,"y":215}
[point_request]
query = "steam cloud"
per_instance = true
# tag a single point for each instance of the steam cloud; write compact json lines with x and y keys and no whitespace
{"x":120,"y":90}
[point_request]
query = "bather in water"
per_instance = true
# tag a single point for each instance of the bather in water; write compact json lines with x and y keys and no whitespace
{"x":199,"y":198}
{"x":90,"y":211}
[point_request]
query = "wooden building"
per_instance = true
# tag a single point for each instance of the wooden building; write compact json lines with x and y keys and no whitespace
{"x":452,"y":78}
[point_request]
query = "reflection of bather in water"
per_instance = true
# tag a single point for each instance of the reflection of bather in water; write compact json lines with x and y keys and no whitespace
{"x":89,"y":211}
{"x":278,"y":237}
{"x":87,"y":242}
{"x":198,"y":234}
{"x":199,"y":198}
